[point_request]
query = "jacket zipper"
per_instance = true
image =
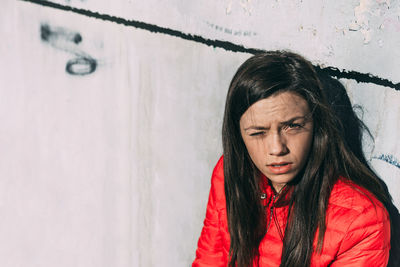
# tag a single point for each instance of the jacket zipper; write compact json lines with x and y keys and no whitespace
{"x":271,"y":211}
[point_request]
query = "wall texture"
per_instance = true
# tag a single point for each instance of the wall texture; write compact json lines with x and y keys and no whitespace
{"x":111,"y":114}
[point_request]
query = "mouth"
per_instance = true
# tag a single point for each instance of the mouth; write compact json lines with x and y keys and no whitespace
{"x":279,"y":167}
{"x":280,"y":164}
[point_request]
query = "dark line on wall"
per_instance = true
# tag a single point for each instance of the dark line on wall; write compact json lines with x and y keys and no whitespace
{"x":150,"y":27}
{"x":359,"y":77}
{"x":229,"y":46}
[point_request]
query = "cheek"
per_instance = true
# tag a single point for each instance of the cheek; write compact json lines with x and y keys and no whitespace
{"x":256,"y":152}
{"x":303,"y":148}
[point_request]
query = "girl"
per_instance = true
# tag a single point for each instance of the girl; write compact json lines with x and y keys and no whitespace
{"x":289,"y":191}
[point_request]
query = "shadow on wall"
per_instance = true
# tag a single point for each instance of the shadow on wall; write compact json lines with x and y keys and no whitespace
{"x":352,"y":127}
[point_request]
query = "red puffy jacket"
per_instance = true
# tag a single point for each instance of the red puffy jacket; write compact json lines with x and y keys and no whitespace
{"x":357,"y":233}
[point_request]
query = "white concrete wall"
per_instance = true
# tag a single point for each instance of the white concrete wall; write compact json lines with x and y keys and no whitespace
{"x":113,"y":168}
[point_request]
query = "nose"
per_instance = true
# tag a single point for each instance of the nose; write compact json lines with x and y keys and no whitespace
{"x":276,"y":145}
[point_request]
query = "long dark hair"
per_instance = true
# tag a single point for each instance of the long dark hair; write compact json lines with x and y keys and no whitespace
{"x":330,"y":157}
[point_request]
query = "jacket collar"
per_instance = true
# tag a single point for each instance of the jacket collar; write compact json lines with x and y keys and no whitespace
{"x":283,"y":198}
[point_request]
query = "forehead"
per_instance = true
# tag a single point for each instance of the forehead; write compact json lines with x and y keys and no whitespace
{"x":280,"y":107}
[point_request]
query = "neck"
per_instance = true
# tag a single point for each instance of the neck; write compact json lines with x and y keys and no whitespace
{"x":278,"y":187}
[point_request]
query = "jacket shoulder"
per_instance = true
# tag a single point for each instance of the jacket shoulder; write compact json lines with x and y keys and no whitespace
{"x":353,"y":209}
{"x":356,"y":205}
{"x":348,"y":195}
{"x":358,"y":226}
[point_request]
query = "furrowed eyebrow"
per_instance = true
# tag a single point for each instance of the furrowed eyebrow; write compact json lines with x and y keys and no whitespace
{"x":262,"y":128}
{"x":305,"y":118}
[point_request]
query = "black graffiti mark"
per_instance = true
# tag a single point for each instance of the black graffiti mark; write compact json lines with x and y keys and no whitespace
{"x":47,"y":34}
{"x":62,"y":39}
{"x":359,"y":77}
{"x":389,"y":159}
{"x":150,"y":27}
{"x":81,"y":66}
{"x":230,"y":31}
{"x":229,"y":46}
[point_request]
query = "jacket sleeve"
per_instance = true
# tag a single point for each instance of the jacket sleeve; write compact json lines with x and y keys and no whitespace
{"x":210,"y":245}
{"x":367,"y":240}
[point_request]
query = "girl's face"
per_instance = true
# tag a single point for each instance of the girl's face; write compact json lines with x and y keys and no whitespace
{"x":278,"y":132}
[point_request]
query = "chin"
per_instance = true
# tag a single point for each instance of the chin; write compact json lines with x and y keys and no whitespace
{"x":280,"y":179}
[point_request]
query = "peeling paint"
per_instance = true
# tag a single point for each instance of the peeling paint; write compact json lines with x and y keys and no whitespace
{"x":361,"y":23}
{"x":354,"y":26}
{"x":246,"y":6}
{"x":373,"y":17}
{"x":228,"y":9}
{"x":343,"y":31}
{"x":387,"y":2}
{"x":361,"y":11}
{"x":367,"y":35}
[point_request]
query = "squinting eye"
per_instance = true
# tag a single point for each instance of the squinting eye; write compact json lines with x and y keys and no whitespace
{"x":294,"y":125}
{"x":256,"y":133}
